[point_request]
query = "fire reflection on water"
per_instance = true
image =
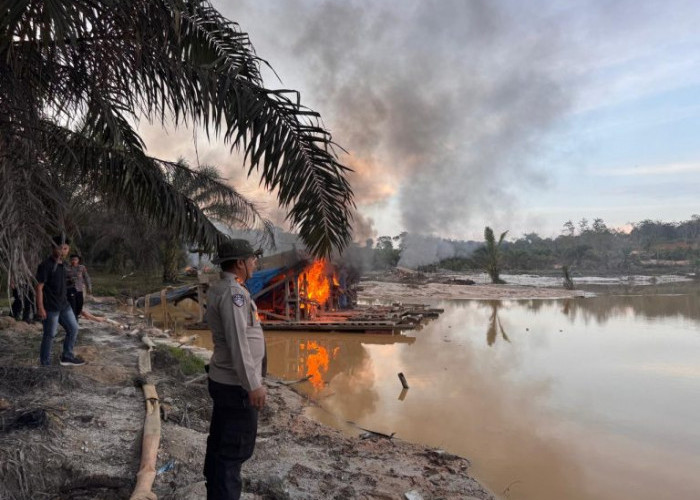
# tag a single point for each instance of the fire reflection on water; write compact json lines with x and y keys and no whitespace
{"x":316,"y":359}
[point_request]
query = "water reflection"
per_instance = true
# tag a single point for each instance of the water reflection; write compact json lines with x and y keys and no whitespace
{"x":669,"y":302}
{"x":579,"y":399}
{"x":495,"y":325}
{"x":342,"y":359}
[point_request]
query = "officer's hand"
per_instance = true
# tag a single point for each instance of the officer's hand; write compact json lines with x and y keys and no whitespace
{"x":257,"y":397}
{"x":41,"y":313}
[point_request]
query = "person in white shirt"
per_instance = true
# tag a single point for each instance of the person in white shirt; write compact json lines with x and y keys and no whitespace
{"x":235,"y":371}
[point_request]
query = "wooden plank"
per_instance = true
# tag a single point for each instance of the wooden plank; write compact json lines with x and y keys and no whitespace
{"x":272,"y":315}
{"x":314,"y":327}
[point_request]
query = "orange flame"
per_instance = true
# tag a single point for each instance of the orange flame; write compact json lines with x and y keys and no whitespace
{"x":315,"y":363}
{"x":318,"y":286}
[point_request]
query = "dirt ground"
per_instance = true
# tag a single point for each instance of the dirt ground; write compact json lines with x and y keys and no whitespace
{"x":75,"y":432}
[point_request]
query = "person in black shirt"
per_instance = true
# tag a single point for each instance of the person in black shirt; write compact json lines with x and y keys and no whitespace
{"x":53,"y":307}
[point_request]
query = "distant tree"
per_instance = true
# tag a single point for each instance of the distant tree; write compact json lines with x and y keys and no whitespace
{"x":385,"y":256}
{"x":583,"y":225}
{"x":493,"y":255}
{"x":599,"y":226}
{"x":385,"y":243}
{"x":569,"y":228}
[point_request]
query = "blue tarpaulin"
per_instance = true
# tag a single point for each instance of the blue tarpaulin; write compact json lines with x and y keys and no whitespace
{"x":261,"y":279}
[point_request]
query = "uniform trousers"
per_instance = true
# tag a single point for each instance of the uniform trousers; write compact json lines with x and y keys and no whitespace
{"x":231,"y":441}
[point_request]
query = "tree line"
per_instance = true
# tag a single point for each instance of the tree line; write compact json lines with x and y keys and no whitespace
{"x":650,"y":245}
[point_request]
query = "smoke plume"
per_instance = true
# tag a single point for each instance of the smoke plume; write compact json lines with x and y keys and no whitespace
{"x":439,"y":103}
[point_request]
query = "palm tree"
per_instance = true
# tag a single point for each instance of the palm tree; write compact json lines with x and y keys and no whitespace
{"x":208,"y":191}
{"x":77,"y":75}
{"x":493,"y":255}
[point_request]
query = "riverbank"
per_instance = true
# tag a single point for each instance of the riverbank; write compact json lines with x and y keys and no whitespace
{"x":76,"y":432}
{"x":390,"y":291}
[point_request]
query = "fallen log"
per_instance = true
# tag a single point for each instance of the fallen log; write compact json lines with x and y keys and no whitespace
{"x":89,"y":316}
{"x":148,"y":342}
{"x":144,"y":362}
{"x":149,"y":447}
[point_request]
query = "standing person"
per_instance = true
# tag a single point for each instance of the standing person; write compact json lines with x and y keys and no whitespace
{"x":235,"y":371}
{"x":78,"y":281}
{"x":53,"y":307}
{"x":22,"y":302}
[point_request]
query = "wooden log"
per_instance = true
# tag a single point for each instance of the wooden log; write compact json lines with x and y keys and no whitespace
{"x":87,"y":315}
{"x":149,"y":446}
{"x":144,"y":362}
{"x":148,"y":342}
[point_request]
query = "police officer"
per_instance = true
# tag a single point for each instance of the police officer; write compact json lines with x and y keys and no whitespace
{"x":235,"y":371}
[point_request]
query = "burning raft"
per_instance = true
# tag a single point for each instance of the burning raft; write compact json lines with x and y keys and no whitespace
{"x":293,"y":292}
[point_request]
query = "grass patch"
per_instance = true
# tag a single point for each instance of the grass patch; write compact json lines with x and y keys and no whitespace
{"x":189,"y":363}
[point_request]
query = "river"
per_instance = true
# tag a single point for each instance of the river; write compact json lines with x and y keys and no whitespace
{"x":587,"y":398}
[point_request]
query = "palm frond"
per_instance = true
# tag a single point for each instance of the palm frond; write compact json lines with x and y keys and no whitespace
{"x":74,"y":75}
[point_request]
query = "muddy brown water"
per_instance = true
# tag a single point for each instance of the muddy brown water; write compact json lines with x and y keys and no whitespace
{"x":594,"y":398}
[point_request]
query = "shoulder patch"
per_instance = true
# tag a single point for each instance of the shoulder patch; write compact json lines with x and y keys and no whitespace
{"x":238,"y":299}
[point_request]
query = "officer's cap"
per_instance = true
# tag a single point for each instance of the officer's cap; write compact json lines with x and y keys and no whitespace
{"x":235,"y":249}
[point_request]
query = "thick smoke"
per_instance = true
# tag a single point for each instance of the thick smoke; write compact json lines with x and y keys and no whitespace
{"x":363,"y":229}
{"x":440,"y":102}
{"x":422,"y":250}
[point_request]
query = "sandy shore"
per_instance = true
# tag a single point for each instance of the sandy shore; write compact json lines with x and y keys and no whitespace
{"x":87,"y":444}
{"x":384,"y":291}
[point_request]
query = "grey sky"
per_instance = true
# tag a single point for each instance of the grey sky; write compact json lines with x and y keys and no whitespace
{"x":459,"y":114}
